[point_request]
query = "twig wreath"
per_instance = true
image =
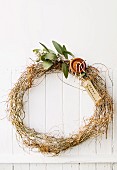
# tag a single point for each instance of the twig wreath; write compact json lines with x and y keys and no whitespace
{"x":48,"y":62}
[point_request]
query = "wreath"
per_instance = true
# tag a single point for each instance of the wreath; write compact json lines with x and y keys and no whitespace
{"x":48,"y":62}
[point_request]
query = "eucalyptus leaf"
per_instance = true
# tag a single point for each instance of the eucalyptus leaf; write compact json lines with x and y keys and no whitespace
{"x":50,"y":56}
{"x":68,"y":52}
{"x":83,"y":74}
{"x":65,"y":54}
{"x":58,"y":47}
{"x":65,"y":69}
{"x":37,"y":60}
{"x":64,"y":48}
{"x":47,"y":64}
{"x":51,"y":51}
{"x":45,"y":47}
{"x":42,"y":57}
{"x":36,"y":51}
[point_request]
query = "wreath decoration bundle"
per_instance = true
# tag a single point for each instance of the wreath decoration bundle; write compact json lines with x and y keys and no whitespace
{"x":48,"y":62}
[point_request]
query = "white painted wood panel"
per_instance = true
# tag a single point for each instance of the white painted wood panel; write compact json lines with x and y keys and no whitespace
{"x":39,"y":94}
{"x":54,"y":166}
{"x":87,"y":166}
{"x":70,"y":166}
{"x":37,"y":166}
{"x":53,"y":94}
{"x":20,"y":166}
{"x":6,"y":167}
{"x":5,"y":128}
{"x":58,"y":166}
{"x":71,"y":107}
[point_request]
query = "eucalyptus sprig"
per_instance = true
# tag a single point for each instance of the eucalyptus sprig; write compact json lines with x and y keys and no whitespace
{"x":49,"y":57}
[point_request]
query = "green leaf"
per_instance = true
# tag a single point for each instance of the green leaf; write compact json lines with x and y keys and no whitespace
{"x":83,"y":74}
{"x":37,"y":60}
{"x":65,"y":69}
{"x":58,"y":47}
{"x":47,"y":64}
{"x":50,"y":56}
{"x":45,"y":47}
{"x":64,"y":48}
{"x":65,"y":54}
{"x":42,"y":57}
{"x":36,"y":51}
{"x":68,"y":52}
{"x":51,"y":51}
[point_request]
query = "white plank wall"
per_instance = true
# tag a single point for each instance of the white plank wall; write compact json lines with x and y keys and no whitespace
{"x":46,"y":93}
{"x":89,"y":30}
{"x":58,"y":166}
